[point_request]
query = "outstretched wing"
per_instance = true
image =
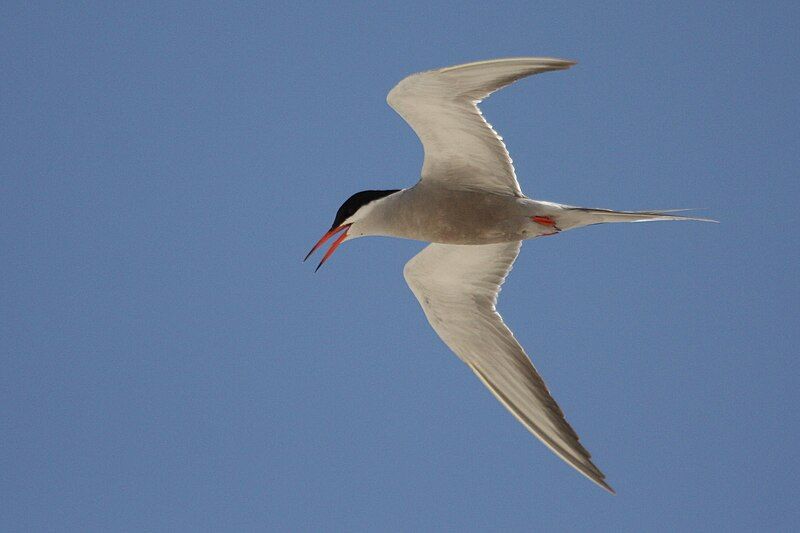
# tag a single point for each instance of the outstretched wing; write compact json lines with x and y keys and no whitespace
{"x":457,"y":287}
{"x":441,"y":106}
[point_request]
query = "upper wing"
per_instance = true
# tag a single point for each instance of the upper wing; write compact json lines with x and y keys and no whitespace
{"x":457,"y":286}
{"x":441,"y":106}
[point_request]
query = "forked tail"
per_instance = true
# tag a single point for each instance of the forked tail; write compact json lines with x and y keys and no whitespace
{"x":576,"y":217}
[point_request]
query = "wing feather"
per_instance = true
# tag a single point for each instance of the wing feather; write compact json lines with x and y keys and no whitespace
{"x":457,"y":287}
{"x":441,"y":106}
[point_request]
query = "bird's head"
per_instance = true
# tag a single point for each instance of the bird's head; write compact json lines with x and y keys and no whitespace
{"x":352,"y":212}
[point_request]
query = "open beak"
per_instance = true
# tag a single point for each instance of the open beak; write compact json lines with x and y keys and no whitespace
{"x":343,"y":228}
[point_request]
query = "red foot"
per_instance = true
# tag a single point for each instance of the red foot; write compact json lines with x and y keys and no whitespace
{"x":544,"y":221}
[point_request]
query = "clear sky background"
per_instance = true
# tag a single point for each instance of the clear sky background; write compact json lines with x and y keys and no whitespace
{"x":168,"y":363}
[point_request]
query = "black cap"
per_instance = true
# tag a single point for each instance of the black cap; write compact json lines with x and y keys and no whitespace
{"x":356,"y":202}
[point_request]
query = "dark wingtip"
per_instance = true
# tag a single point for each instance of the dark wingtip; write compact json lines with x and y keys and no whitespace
{"x":608,"y":488}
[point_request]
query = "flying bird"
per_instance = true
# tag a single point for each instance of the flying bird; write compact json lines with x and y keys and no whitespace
{"x":469,"y":206}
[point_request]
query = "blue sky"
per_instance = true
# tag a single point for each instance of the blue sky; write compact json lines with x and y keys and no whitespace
{"x":169,"y":364}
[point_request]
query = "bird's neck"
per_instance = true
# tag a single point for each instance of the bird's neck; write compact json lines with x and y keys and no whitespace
{"x":379,"y":218}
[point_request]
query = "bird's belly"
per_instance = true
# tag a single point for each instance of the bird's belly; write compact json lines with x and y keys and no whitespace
{"x":459,"y":217}
{"x":455,"y":233}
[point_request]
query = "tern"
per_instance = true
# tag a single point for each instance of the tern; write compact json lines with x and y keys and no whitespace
{"x":469,"y":206}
